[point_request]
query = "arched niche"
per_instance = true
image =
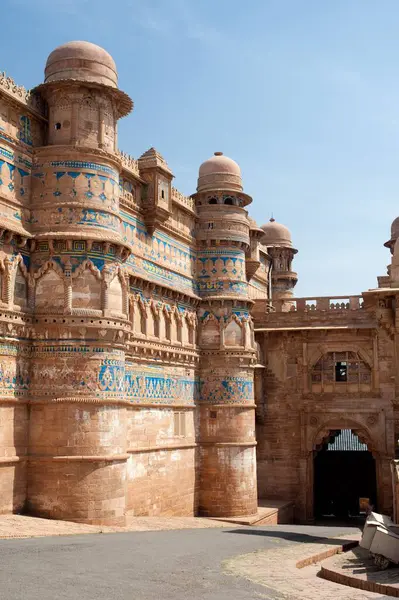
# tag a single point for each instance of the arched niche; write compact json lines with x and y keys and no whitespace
{"x":115,"y":296}
{"x":20,"y":297}
{"x":233,"y":334}
{"x":153,"y":328}
{"x":210,"y":333}
{"x":87,"y":290}
{"x":166,"y":324}
{"x":178,"y":327}
{"x":140,"y":315}
{"x":49,"y":293}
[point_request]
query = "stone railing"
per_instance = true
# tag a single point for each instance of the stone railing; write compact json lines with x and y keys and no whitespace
{"x":182,"y":199}
{"x":128,"y":162}
{"x":326,"y":304}
{"x":21,"y":94}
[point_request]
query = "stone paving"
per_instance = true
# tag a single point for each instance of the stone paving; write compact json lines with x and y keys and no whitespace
{"x":359,"y":566}
{"x":20,"y":526}
{"x":277,"y":570}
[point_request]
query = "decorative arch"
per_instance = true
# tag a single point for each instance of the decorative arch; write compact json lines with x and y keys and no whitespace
{"x":140,"y":315}
{"x":361,"y":430}
{"x":347,"y":364}
{"x":20,"y":284}
{"x":189,"y":327}
{"x":47,"y":266}
{"x":177,"y":324}
{"x":87,"y":286}
{"x":317,"y":433}
{"x":321,"y":350}
{"x":50,"y":287}
{"x":153,"y":321}
{"x":233,"y":332}
{"x":87,"y":265}
{"x":210,"y":331}
{"x":166,"y":322}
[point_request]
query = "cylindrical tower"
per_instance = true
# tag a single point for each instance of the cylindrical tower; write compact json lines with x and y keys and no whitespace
{"x":277,"y":239}
{"x":77,"y":422}
{"x":227,"y":416}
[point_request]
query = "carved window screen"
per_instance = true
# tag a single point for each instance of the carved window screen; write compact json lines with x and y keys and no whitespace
{"x":357,"y":371}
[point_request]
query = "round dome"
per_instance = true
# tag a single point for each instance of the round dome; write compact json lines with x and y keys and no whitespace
{"x":219,"y":163}
{"x":81,"y":61}
{"x":276,"y":234}
{"x":219,"y":172}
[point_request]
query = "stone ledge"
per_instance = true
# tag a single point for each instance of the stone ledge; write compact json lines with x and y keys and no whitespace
{"x":371,"y":579}
{"x":270,"y":512}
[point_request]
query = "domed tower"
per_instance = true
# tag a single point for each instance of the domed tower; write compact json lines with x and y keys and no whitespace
{"x":227,"y":416}
{"x":277,"y":239}
{"x":78,"y":423}
{"x":393,"y":268}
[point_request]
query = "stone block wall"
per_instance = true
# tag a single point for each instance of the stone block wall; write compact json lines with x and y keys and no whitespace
{"x":293,"y":420}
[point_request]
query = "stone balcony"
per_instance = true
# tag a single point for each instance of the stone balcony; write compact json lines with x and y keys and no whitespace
{"x":323,"y":312}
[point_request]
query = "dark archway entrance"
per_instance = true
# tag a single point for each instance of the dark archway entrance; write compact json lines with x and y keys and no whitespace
{"x":344,"y":476}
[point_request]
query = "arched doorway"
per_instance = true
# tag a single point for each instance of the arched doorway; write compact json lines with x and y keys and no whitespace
{"x":344,"y":474}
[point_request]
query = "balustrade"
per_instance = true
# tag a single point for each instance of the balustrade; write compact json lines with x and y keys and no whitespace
{"x":327,"y":304}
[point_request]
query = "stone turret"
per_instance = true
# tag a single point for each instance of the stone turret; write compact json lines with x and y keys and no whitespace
{"x":157,"y":193}
{"x":78,"y":423}
{"x":277,"y":239}
{"x":392,"y":279}
{"x":227,"y":416}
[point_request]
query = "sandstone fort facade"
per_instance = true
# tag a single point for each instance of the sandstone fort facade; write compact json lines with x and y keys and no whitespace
{"x":153,"y":358}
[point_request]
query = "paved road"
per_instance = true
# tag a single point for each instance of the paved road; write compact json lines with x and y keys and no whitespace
{"x":162,"y":565}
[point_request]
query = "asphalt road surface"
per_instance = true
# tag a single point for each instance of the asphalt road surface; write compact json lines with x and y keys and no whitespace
{"x":156,"y":565}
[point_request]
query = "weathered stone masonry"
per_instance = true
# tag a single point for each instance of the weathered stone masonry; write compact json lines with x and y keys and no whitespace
{"x":127,"y":346}
{"x":153,"y":359}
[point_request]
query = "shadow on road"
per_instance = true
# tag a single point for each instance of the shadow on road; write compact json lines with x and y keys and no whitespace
{"x":291,"y":536}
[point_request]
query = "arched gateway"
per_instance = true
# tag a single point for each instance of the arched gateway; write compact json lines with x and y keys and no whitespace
{"x":344,"y":476}
{"x":347,"y":478}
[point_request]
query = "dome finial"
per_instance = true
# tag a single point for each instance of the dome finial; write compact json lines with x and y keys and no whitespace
{"x":218,"y":153}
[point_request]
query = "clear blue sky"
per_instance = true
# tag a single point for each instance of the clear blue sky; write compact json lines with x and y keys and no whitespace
{"x":304,"y":94}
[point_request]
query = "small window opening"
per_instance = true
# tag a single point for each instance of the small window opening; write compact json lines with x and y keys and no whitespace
{"x":179,"y":425}
{"x":163,"y":194}
{"x":341,"y":371}
{"x":229,"y":201}
{"x":213,"y":201}
{"x":210,"y":225}
{"x":58,"y":126}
